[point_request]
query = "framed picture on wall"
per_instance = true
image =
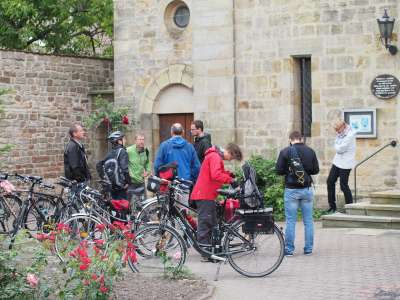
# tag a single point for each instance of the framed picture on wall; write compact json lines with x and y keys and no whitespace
{"x":363,"y":121}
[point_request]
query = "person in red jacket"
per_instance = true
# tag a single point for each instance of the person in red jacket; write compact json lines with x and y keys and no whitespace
{"x":212,"y":176}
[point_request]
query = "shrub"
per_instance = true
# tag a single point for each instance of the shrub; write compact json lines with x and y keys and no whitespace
{"x":91,"y":268}
{"x":21,"y":270}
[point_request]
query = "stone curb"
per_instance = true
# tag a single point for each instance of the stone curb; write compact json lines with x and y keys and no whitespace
{"x":210,"y":292}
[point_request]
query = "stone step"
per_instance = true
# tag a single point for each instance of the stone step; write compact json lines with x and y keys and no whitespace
{"x":386,"y":197}
{"x":369,"y":209}
{"x":354,"y":221}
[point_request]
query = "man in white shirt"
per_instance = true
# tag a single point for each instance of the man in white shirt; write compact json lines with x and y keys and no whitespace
{"x":343,"y":162}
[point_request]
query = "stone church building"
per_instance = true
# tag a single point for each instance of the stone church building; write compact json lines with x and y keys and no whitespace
{"x":254,"y":70}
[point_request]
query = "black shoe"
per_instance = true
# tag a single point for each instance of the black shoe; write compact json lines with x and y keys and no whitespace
{"x":331,"y":211}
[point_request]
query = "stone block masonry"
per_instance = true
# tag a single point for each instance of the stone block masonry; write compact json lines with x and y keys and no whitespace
{"x":47,"y":94}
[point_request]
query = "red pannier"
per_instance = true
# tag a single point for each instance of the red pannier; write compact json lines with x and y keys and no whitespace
{"x":168,"y":172}
{"x":230,"y":206}
{"x":120,"y":205}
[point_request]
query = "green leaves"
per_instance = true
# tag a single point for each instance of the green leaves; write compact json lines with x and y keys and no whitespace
{"x":107,"y":115}
{"x":83,"y":27}
{"x":270,"y":184}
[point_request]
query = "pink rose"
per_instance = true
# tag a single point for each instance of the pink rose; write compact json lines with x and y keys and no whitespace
{"x":177,"y":255}
{"x":32,"y":280}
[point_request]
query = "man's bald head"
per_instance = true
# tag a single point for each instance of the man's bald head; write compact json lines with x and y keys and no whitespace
{"x":177,"y":129}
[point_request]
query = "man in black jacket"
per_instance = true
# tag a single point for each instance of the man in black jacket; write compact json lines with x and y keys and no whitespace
{"x":75,"y":159}
{"x":298,"y":190}
{"x":119,"y":189}
{"x":202,"y":140}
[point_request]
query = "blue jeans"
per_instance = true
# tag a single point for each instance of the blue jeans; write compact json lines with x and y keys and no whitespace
{"x":295,"y":198}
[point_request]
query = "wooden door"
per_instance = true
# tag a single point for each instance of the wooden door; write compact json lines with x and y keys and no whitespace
{"x":167,"y":120}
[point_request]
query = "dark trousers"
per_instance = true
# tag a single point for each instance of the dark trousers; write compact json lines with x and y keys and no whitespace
{"x":119,"y":194}
{"x":134,"y":186}
{"x":207,"y":219}
{"x":343,"y":175}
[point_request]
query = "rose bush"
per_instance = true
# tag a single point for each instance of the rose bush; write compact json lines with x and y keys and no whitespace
{"x":92,"y":267}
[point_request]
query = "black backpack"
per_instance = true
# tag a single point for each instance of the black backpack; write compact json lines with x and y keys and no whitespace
{"x":297,"y":175}
{"x":111,"y":171}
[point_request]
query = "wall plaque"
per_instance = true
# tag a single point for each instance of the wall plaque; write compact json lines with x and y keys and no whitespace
{"x":385,"y":86}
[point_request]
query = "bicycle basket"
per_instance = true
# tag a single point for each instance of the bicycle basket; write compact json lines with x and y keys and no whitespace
{"x":153,"y":184}
{"x":257,"y":220}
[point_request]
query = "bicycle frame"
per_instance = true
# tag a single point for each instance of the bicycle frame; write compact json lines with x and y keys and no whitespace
{"x":173,"y":213}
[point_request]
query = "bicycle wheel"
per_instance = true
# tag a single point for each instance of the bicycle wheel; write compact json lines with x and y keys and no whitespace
{"x":81,"y":228}
{"x":254,"y":255}
{"x":149,"y":214}
{"x":10,"y":206}
{"x":40,"y":216}
{"x":158,"y":249}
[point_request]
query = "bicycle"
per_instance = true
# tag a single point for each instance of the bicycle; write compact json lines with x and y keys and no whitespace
{"x":9,"y":206}
{"x":85,"y":224}
{"x":254,"y":235}
{"x":34,"y":211}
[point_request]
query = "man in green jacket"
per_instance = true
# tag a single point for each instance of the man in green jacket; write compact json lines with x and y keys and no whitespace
{"x":139,"y":164}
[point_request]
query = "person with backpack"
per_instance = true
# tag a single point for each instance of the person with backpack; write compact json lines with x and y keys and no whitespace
{"x":115,"y":167}
{"x":139,"y":164}
{"x":297,"y":163}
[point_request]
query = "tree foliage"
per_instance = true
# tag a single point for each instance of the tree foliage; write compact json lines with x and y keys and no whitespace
{"x":82,"y":27}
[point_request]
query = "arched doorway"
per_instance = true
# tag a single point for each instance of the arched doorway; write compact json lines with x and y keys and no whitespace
{"x":174,"y":104}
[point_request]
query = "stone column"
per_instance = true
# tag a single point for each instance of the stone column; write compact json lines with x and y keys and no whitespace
{"x":213,"y":67}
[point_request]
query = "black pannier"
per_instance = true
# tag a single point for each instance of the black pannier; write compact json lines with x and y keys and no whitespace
{"x":257,"y":220}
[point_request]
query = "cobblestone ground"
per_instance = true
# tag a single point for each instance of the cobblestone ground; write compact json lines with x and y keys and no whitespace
{"x":346,"y":264}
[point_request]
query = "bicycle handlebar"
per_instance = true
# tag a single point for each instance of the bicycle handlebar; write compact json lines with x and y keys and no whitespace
{"x":34,"y":180}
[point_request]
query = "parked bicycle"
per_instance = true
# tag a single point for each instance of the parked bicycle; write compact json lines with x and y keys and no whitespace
{"x":253,"y":244}
{"x":35,"y":210}
{"x":9,"y":205}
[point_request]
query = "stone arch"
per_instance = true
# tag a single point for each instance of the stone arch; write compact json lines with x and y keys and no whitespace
{"x":174,"y":74}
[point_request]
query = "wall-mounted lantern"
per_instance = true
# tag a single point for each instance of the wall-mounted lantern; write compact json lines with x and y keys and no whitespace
{"x":386,"y":25}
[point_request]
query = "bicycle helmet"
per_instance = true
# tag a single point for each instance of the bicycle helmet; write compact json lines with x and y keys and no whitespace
{"x":115,"y":137}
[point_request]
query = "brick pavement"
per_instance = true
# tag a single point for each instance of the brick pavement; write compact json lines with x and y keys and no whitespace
{"x":346,"y":264}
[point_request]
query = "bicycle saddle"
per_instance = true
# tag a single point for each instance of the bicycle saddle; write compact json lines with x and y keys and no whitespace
{"x":138,"y":191}
{"x":227,"y":193}
{"x":35,"y":178}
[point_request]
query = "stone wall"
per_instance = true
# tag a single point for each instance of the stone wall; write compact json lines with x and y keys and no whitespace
{"x":144,"y":49}
{"x":48,"y":94}
{"x":343,"y":41}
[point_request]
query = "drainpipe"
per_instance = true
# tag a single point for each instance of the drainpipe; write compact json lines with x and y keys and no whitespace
{"x":235,"y":102}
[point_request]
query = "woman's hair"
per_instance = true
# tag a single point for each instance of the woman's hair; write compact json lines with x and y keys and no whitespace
{"x":235,"y":151}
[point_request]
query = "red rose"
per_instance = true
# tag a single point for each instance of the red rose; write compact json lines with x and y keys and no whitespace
{"x":103,"y":289}
{"x":94,"y":277}
{"x":99,"y":242}
{"x":106,"y":121}
{"x":83,"y":267}
{"x":100,"y":227}
{"x":125,"y":120}
{"x":85,"y":260}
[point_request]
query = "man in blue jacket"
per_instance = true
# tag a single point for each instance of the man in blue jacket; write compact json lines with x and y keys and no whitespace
{"x":178,"y":150}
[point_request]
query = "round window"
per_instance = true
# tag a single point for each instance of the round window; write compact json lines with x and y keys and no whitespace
{"x":182,"y":16}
